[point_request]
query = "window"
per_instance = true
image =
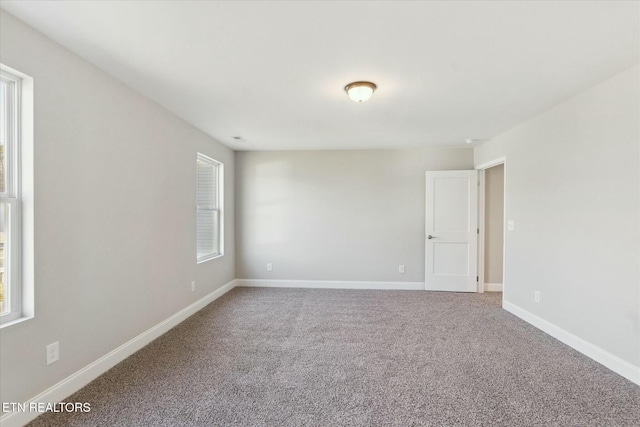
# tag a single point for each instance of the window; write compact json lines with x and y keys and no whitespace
{"x":16,"y":197}
{"x":10,"y":207}
{"x":209,"y":229}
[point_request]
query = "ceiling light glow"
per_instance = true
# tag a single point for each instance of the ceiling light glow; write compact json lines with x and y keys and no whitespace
{"x":360,"y":91}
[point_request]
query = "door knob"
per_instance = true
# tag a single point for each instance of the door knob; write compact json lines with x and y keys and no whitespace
{"x":430,"y":237}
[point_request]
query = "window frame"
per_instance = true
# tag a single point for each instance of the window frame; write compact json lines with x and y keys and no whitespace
{"x":219,"y":199}
{"x":19,"y":197}
{"x":12,"y":198}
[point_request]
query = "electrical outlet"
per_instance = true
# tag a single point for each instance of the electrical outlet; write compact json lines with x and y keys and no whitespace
{"x":536,"y":296}
{"x":269,"y":266}
{"x":53,"y":352}
{"x":193,"y":286}
{"x":401,"y":268}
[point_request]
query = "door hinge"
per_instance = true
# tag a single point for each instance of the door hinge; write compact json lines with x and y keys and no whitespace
{"x":478,"y":231}
{"x":477,"y":278}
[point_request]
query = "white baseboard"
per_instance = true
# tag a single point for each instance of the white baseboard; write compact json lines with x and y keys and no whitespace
{"x":329,"y":284}
{"x":493,"y":287}
{"x":84,"y":376}
{"x":617,"y":365}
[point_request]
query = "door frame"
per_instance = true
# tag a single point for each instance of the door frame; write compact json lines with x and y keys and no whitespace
{"x":481,"y":221}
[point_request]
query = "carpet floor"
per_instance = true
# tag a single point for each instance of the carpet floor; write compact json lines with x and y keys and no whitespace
{"x":319,"y":357}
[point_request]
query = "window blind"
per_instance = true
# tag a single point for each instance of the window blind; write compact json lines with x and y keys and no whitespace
{"x":208,"y":208}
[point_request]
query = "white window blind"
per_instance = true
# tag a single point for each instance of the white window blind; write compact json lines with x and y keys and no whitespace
{"x":209,"y":208}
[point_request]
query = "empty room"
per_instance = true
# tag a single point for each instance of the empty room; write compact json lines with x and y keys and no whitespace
{"x":339,"y":213}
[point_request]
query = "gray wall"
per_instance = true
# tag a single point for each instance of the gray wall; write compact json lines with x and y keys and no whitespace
{"x":493,"y":223}
{"x":335,"y":215}
{"x":573,"y":187}
{"x":114,"y":215}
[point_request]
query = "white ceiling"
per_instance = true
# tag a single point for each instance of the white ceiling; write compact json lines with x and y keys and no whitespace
{"x":274,"y":72}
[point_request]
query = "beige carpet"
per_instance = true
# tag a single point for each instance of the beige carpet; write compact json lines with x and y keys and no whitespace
{"x":310,"y":357}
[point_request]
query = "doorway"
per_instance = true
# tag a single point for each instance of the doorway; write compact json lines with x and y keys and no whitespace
{"x":491,"y":221}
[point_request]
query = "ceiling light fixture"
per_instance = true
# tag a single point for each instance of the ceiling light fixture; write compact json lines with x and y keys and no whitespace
{"x":360,"y":91}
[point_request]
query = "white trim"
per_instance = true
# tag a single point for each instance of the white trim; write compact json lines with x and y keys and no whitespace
{"x":481,"y":225}
{"x":617,"y":365}
{"x":504,"y":226}
{"x":492,"y":163}
{"x":329,"y":284}
{"x":493,"y":287}
{"x":84,"y":376}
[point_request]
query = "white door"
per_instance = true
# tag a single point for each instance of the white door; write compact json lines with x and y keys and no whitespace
{"x":451,"y":231}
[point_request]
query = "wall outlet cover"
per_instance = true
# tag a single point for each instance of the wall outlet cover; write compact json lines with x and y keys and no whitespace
{"x":53,"y":352}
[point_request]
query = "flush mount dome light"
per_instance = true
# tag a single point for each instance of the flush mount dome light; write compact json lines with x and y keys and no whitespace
{"x":360,"y":91}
